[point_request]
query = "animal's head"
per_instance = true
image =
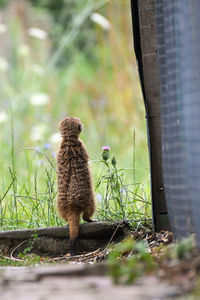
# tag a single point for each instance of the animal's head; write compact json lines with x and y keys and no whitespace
{"x":70,"y":126}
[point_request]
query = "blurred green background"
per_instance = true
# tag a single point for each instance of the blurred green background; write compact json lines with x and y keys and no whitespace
{"x":60,"y":58}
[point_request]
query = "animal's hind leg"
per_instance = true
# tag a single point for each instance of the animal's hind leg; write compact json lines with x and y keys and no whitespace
{"x":87,"y":214}
{"x":74,"y":221}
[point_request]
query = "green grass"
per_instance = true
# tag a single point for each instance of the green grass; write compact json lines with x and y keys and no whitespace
{"x":105,"y":95}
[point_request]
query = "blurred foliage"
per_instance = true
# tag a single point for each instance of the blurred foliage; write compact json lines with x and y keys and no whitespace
{"x":64,"y":13}
{"x":128,"y":261}
{"x":3,"y":3}
{"x":182,"y":249}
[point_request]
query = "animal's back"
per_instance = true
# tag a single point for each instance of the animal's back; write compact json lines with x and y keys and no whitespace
{"x":74,"y":179}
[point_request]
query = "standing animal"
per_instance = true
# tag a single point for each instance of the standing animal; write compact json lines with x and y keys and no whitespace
{"x":75,"y":192}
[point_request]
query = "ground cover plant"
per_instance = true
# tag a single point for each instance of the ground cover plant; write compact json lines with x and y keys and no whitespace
{"x":42,"y":80}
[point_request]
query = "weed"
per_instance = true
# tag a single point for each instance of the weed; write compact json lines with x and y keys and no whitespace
{"x":128,"y":261}
{"x":182,"y":249}
{"x":26,"y":251}
{"x":120,"y":200}
{"x":26,"y":260}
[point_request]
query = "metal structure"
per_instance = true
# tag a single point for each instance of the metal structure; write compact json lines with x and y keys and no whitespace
{"x":167,"y":46}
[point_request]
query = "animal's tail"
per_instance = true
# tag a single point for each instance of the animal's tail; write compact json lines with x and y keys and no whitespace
{"x":74,"y":222}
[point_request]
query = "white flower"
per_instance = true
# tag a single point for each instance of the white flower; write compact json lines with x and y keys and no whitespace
{"x":39,"y":99}
{"x":37,"y":69}
{"x":23,"y":50}
{"x":37,"y":132}
{"x":100,"y":20}
{"x":4,"y":65}
{"x":3,"y":116}
{"x":37,"y":33}
{"x":99,"y":197}
{"x":3,"y":28}
{"x":55,"y":138}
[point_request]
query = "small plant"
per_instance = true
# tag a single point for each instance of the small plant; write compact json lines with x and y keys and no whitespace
{"x":120,"y":200}
{"x":128,"y":261}
{"x":26,"y":251}
{"x":183,"y":249}
{"x":25,"y":260}
{"x":29,"y":248}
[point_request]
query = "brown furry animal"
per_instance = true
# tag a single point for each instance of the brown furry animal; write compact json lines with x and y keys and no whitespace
{"x":75,"y":193}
